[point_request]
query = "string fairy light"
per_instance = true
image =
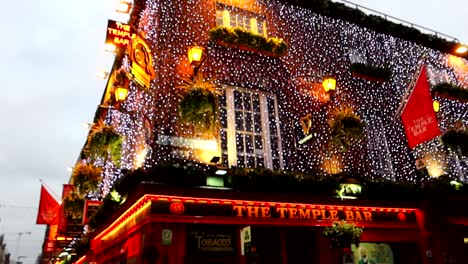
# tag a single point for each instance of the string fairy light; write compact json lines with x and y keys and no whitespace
{"x":317,"y":45}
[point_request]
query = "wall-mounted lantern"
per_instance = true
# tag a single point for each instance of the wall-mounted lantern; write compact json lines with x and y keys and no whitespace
{"x":461,"y":49}
{"x":123,"y":7}
{"x":195,"y":54}
{"x":329,"y":84}
{"x":120,"y":94}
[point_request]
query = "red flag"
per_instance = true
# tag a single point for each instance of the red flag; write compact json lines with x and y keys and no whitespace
{"x":418,"y":116}
{"x":49,"y":209}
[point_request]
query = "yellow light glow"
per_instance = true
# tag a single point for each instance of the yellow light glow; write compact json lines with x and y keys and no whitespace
{"x":195,"y":54}
{"x":436,"y":106}
{"x":121,"y":94}
{"x":329,"y":83}
{"x":123,"y":7}
{"x":461,"y":49}
{"x":102,"y":74}
{"x":110,"y":47}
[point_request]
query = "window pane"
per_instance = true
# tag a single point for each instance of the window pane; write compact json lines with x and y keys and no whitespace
{"x":247,"y":102}
{"x":225,"y":160}
{"x":258,"y":142}
{"x":248,"y":122}
{"x":260,"y":162}
{"x":274,"y":147}
{"x":239,"y":120}
{"x":256,"y":103}
{"x":219,"y":17}
{"x":272,"y":122}
{"x":250,"y":162}
{"x":249,"y":146}
{"x":271,"y":106}
{"x":238,"y":100}
{"x":223,"y":117}
{"x":222,"y":100}
{"x":223,"y":140}
{"x":258,"y":123}
{"x":240,"y":143}
{"x":276,"y":164}
{"x":240,"y":161}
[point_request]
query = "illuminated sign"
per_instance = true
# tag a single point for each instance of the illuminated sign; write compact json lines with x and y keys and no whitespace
{"x":142,"y":69}
{"x":118,"y":34}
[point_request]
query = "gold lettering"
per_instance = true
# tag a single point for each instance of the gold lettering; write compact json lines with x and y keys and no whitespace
{"x":349,"y":215}
{"x":304,"y":213}
{"x":323,"y":215}
{"x":315,"y":213}
{"x":239,"y":209}
{"x":367,"y":216}
{"x":293,"y":213}
{"x":334,"y":215}
{"x":252,"y":211}
{"x":358,"y":216}
{"x":281,"y":211}
{"x":265,"y":211}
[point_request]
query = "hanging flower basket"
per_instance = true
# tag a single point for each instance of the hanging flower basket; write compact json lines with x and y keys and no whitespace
{"x":86,"y":177}
{"x":345,"y":127}
{"x":73,"y":205}
{"x":451,"y":91}
{"x":343,"y":234}
{"x":246,"y":40}
{"x":199,"y":105}
{"x":104,"y":142}
{"x":456,"y":140}
{"x":369,"y":72}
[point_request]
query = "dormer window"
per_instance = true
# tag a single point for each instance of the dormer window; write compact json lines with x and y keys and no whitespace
{"x":229,"y":16}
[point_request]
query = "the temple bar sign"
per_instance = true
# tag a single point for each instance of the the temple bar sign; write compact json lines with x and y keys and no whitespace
{"x":301,"y":213}
{"x":119,"y":34}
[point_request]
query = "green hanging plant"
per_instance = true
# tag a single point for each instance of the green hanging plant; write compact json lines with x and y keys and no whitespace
{"x":369,"y":72}
{"x":73,"y":205}
{"x":456,"y":139}
{"x":105,"y":142}
{"x":199,"y":105}
{"x":451,"y":91}
{"x":343,"y":234}
{"x":86,"y":177}
{"x":345,"y":127}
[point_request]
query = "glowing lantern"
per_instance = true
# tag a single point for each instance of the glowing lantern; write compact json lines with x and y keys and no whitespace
{"x":110,"y":47}
{"x":436,"y":106}
{"x":120,"y":94}
{"x":123,"y":7}
{"x":461,"y":49}
{"x":329,"y":83}
{"x":195,"y":54}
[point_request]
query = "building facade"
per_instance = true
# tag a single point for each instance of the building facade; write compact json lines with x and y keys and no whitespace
{"x":256,"y":101}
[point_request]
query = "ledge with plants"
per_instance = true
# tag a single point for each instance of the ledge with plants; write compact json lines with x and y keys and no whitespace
{"x":451,"y":91}
{"x":369,"y":72}
{"x":247,"y":40}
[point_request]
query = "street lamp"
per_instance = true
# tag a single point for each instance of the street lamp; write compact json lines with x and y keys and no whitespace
{"x":18,"y":241}
{"x":123,"y":7}
{"x":461,"y":49}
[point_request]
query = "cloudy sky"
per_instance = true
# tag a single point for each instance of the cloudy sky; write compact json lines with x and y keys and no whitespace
{"x":52,"y":50}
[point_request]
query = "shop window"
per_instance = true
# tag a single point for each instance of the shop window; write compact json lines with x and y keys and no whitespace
{"x":250,"y":134}
{"x":228,"y":16}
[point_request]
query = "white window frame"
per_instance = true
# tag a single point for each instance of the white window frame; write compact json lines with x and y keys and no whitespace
{"x":266,"y":136}
{"x":227,"y":13}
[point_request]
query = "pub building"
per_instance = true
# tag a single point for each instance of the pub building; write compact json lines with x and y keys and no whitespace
{"x":282,"y":86}
{"x":162,"y":224}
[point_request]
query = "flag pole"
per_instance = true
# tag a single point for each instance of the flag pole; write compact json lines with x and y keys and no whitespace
{"x":408,"y":91}
{"x":50,"y":190}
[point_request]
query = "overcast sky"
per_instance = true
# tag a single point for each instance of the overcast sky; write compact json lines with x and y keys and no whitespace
{"x":52,"y":50}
